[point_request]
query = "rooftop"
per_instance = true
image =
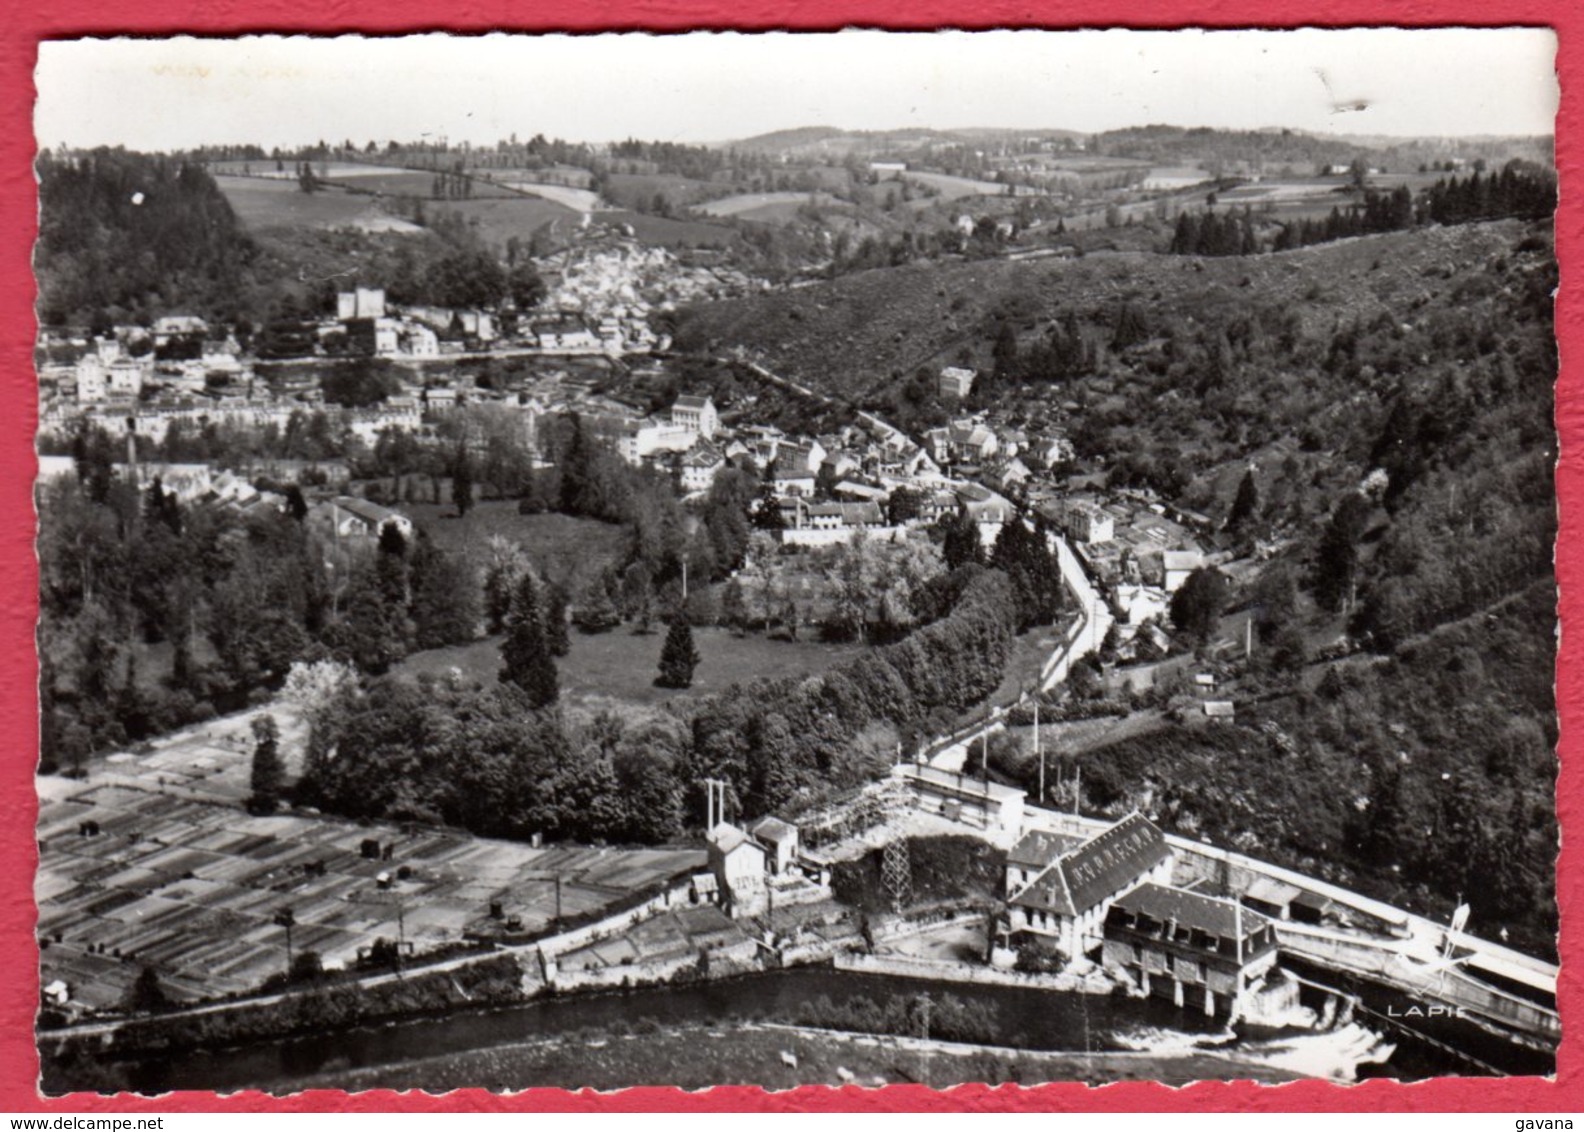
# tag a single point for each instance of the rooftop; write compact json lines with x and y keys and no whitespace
{"x":773,"y":829}
{"x":1038,"y":847}
{"x":1107,"y":862}
{"x":960,"y":783}
{"x":1209,"y":914}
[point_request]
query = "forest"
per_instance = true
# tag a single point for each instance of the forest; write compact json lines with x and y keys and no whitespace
{"x":1405,"y":469}
{"x":154,"y":615}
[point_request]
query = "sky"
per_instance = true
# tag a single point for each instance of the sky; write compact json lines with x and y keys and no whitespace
{"x":273,"y":91}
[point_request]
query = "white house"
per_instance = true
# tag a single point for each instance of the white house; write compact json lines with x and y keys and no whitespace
{"x":363,"y":302}
{"x":794,"y":483}
{"x":91,"y":380}
{"x":1178,"y":564}
{"x":737,"y":862}
{"x":960,"y":797}
{"x":780,"y":840}
{"x":349,"y":517}
{"x":644,"y":438}
{"x":696,"y":414}
{"x":699,"y":466}
{"x":956,"y":381}
{"x":1087,"y":522}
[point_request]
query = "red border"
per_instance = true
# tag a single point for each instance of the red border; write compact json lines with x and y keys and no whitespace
{"x":27,"y":24}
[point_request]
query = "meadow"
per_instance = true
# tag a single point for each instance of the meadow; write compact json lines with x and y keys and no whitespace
{"x":764,"y":206}
{"x":497,"y":221}
{"x":273,"y":203}
{"x":615,"y":670}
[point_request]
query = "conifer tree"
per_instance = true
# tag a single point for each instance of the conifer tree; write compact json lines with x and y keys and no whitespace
{"x":462,"y":485}
{"x":268,"y":771}
{"x":525,"y":653}
{"x":1245,"y":508}
{"x":678,"y":657}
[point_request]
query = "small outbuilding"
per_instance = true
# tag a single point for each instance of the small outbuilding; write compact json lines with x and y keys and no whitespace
{"x":780,"y":840}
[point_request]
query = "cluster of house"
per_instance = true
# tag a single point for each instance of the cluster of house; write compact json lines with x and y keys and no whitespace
{"x":345,"y":518}
{"x":1138,"y":551}
{"x":1004,"y":457}
{"x":371,"y":328}
{"x":614,"y":283}
{"x":133,"y":363}
{"x":828,"y":488}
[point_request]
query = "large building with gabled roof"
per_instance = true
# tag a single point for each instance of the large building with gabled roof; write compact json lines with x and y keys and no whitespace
{"x":1065,"y":904}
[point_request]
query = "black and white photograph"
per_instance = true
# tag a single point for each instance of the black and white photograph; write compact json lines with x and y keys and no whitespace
{"x":844,"y":558}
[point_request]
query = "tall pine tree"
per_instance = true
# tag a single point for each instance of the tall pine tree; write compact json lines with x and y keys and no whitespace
{"x":525,"y":652}
{"x":462,"y":484}
{"x":1245,"y":508}
{"x":679,"y":657}
{"x":268,"y":771}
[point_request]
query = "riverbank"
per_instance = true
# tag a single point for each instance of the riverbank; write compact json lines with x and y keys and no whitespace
{"x":112,"y":1060}
{"x":774,"y":1057}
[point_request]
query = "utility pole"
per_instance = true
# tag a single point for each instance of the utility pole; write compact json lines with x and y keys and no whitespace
{"x":1077,"y":789}
{"x":714,"y":802}
{"x":1039,"y":751}
{"x":285,"y":919}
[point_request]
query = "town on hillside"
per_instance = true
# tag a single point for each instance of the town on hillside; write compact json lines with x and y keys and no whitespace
{"x":1020,"y":604}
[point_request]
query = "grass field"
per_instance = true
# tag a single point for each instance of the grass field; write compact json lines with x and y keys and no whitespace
{"x":408,"y":182}
{"x":496,"y":221}
{"x":261,"y":203}
{"x":626,"y":190}
{"x":763,"y":206}
{"x":955,"y":188}
{"x":616,"y":670}
{"x":576,"y":177}
{"x":583,"y":200}
{"x":561,"y":547}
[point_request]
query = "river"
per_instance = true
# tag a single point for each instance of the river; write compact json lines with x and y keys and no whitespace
{"x":1043,"y":1020}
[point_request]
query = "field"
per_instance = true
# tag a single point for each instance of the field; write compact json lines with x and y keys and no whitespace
{"x":955,"y":188}
{"x":1175,"y":177}
{"x":561,"y":548}
{"x":680,"y":933}
{"x":496,"y":221}
{"x":616,"y":670}
{"x":627,"y":190}
{"x":263,"y":203}
{"x":405,"y":182}
{"x":179,"y":877}
{"x":772,"y":207}
{"x":572,"y":175}
{"x":582,"y":200}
